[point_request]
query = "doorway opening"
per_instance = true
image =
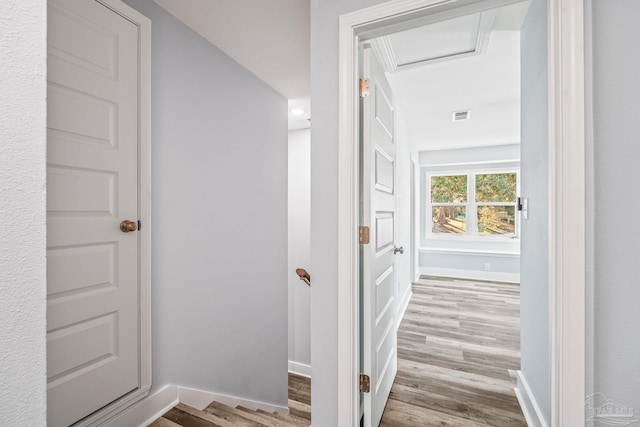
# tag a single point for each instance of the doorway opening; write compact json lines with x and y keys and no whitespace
{"x":377,"y":21}
{"x":447,"y":96}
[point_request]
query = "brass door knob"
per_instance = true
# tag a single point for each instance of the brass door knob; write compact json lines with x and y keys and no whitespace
{"x":127,"y":226}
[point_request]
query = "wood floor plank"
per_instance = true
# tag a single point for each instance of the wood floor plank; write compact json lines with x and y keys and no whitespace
{"x":248,"y":415}
{"x":163,"y":422}
{"x":186,"y":419}
{"x":299,"y":409}
{"x":287,"y":419}
{"x":402,"y":414}
{"x":300,"y":388}
{"x":227,"y":413}
{"x":458,"y":351}
{"x":268,"y":417}
{"x":213,"y":419}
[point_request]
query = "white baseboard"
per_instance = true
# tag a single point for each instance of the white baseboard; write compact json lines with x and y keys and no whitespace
{"x":199,"y":399}
{"x":528,"y":404}
{"x":300,"y":369}
{"x":471,"y":274}
{"x":147,"y":410}
{"x":404,"y":303}
{"x":150,"y":409}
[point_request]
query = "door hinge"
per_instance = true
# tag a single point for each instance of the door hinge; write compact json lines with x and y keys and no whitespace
{"x":365,"y":383}
{"x":364,"y":88}
{"x":363,"y":235}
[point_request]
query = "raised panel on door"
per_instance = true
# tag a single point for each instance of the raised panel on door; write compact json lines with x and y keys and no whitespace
{"x":378,"y":259}
{"x":92,"y":185}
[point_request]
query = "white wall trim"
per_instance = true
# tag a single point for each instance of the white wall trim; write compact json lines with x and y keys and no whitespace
{"x":528,"y":404}
{"x":590,"y":184}
{"x":567,"y":192}
{"x":494,"y":276}
{"x":144,"y":144}
{"x":300,"y":369}
{"x":567,"y":211}
{"x":404,"y":303}
{"x":200,"y":399}
{"x":384,"y":51}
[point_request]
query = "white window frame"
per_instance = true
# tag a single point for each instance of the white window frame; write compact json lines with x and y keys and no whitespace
{"x":471,"y":206}
{"x":428,"y":217}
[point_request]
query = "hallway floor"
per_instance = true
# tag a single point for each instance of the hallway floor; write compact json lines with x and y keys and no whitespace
{"x":458,"y":353}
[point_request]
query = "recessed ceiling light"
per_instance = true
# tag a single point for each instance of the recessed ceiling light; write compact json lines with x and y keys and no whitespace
{"x":297,"y":111}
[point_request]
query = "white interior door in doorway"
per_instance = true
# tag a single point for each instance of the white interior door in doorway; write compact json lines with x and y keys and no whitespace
{"x":378,"y":256}
{"x":93,"y":187}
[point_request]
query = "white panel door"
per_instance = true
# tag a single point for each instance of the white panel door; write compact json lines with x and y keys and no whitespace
{"x":92,"y":185}
{"x":378,"y":259}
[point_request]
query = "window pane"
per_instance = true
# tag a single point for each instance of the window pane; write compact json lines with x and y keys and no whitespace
{"x":496,"y":220}
{"x":496,"y":187}
{"x":449,"y":189}
{"x":449,"y":219}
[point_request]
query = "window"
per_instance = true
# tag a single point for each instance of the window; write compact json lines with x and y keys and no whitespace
{"x":475,"y":204}
{"x":449,"y":204}
{"x":496,"y":203}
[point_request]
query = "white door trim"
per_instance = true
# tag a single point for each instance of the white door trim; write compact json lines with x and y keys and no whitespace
{"x":567,"y":211}
{"x":144,"y":200}
{"x":566,"y":194}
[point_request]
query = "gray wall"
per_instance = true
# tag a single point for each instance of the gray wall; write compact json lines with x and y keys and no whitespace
{"x":23,"y":86}
{"x":299,"y":245}
{"x":219,"y":263}
{"x":324,"y":205}
{"x":534,"y":270}
{"x":503,"y":267}
{"x":616,"y":174}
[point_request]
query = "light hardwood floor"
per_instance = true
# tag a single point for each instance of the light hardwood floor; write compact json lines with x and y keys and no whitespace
{"x":458,"y":351}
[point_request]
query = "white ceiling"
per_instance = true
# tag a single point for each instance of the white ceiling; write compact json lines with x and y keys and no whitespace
{"x":272,"y":40}
{"x":487,"y":83}
{"x":269,"y":38}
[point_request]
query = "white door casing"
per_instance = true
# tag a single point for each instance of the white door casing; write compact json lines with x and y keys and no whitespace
{"x":567,"y":211}
{"x":378,"y":267}
{"x":97,"y":156}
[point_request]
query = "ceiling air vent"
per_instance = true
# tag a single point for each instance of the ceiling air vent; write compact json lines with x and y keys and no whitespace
{"x":461,"y":115}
